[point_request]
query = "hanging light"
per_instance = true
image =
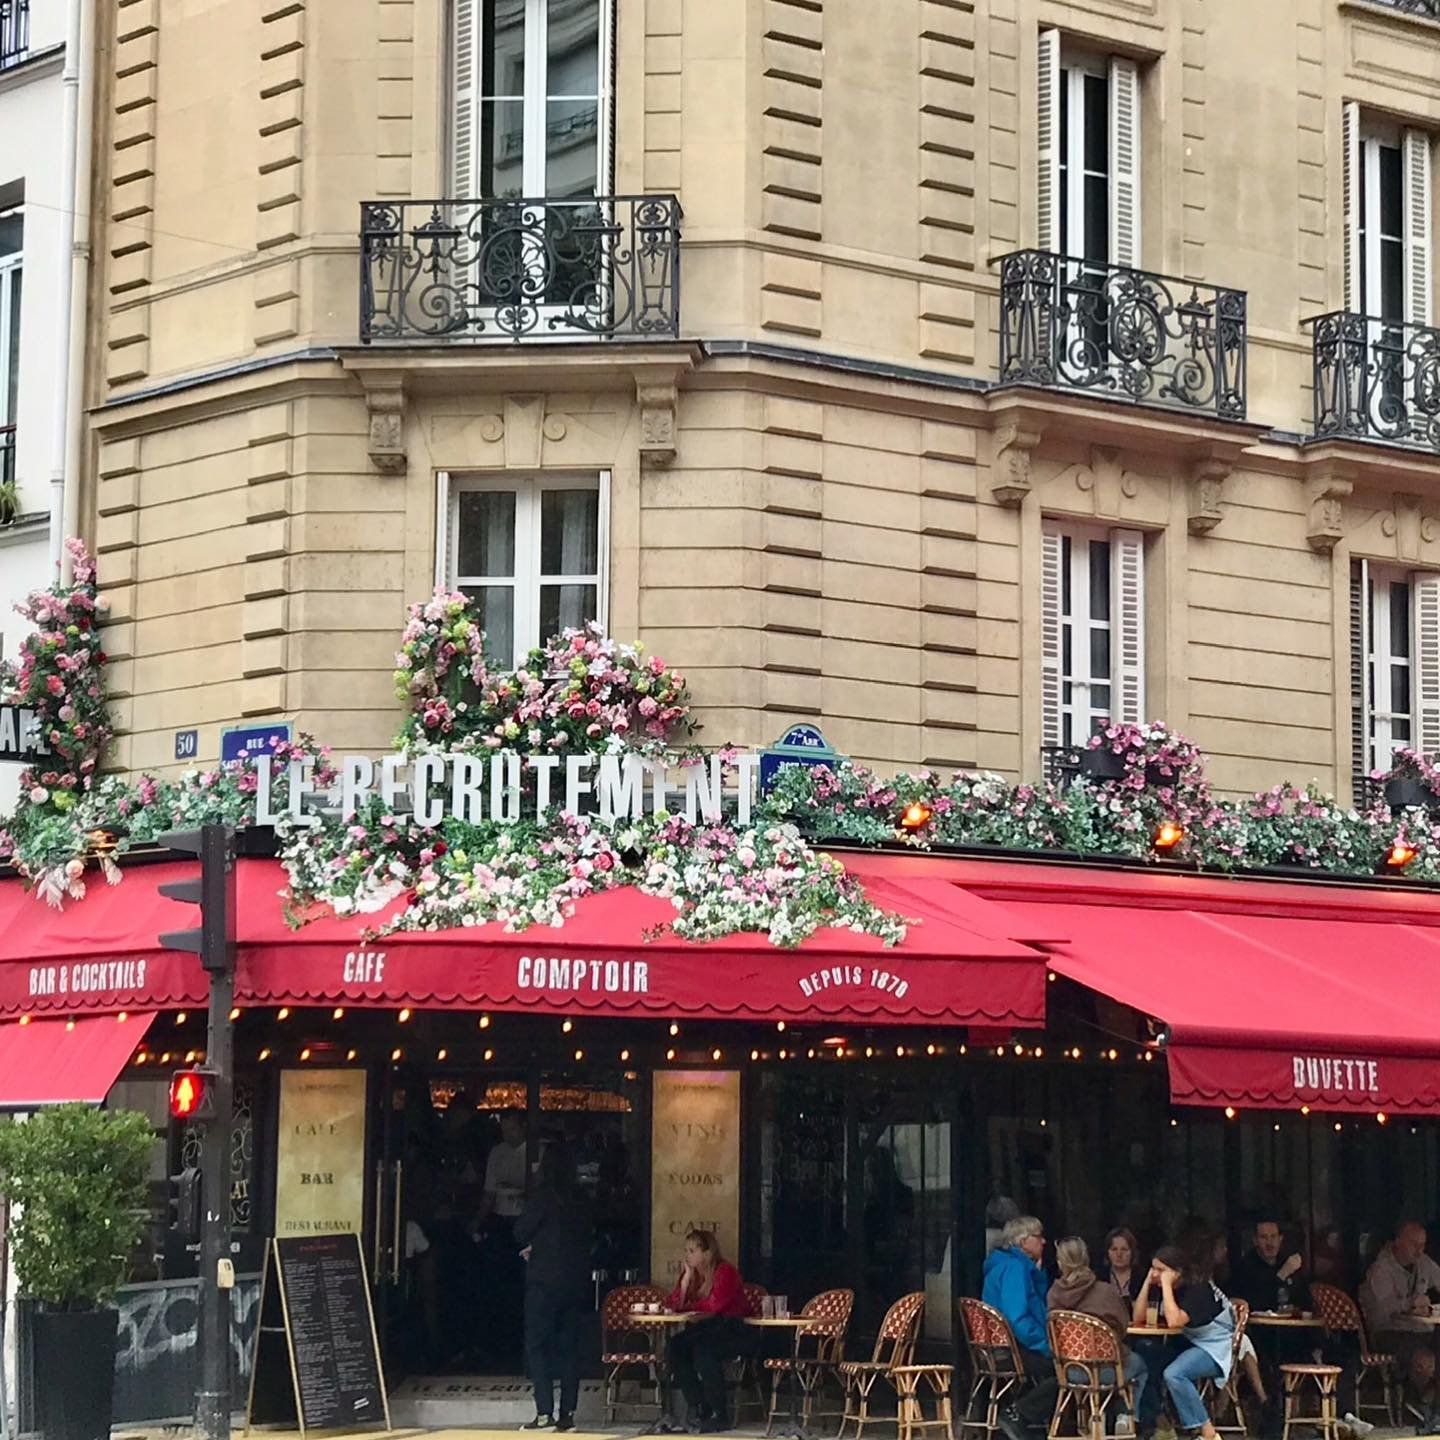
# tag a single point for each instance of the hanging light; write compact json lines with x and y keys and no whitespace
{"x":1381,"y":1117}
{"x":674,"y":1028}
{"x":234,"y":1014}
{"x":265,"y":1053}
{"x":579,"y":1054}
{"x":1229,"y":1112}
{"x":338,"y":1013}
{"x":624,"y":1056}
{"x":780,"y":1026}
{"x":489,"y":1054}
{"x":566,"y":1026}
{"x":404,"y":1016}
{"x":305,"y":1053}
{"x":182,"y":1017}
{"x":484,"y":1022}
{"x":397,"y":1053}
{"x":916,"y":815}
{"x":442,"y":1053}
{"x":715,"y":1053}
{"x":283,"y":1013}
{"x":669,"y":1054}
{"x":1168,"y":834}
{"x":351,"y":1054}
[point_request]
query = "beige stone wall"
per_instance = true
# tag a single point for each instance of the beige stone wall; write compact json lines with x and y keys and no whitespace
{"x":837,"y":542}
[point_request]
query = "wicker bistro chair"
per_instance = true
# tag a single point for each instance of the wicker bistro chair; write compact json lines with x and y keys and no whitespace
{"x":818,"y":1351}
{"x":1342,"y":1316}
{"x":1090,"y":1369}
{"x":1225,"y":1399}
{"x":894,"y":1348}
{"x":997,"y":1372}
{"x":627,"y":1351}
{"x":745,"y":1373}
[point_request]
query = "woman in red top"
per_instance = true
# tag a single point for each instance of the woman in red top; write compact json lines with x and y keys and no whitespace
{"x":709,"y":1288}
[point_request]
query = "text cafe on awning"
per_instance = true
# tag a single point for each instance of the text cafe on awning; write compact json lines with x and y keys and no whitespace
{"x":1096,"y":1045}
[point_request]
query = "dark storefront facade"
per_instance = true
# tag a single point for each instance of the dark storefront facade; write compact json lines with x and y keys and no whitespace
{"x":862,"y":1129}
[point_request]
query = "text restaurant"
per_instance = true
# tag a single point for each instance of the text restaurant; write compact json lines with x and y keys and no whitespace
{"x":851,"y":1024}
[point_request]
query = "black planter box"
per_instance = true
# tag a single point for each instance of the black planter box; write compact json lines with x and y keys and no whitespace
{"x":1405,"y":792}
{"x":1102,"y":763}
{"x":74,"y":1356}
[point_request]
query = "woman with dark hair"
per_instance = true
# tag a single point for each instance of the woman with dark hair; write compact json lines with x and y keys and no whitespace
{"x":711,"y":1289}
{"x":1191,"y":1302}
{"x":1122,"y":1266}
{"x":554,"y":1230}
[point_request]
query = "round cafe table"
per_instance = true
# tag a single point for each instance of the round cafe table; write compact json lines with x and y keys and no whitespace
{"x":786,"y":1322}
{"x":661,"y":1324}
{"x":1293,"y":1322}
{"x":1153,"y":1330}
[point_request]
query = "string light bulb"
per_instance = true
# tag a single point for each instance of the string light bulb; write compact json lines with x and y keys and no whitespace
{"x":484,"y":1022}
{"x":1168,"y":834}
{"x":916,"y":815}
{"x":397,"y":1053}
{"x":351,"y":1054}
{"x":182,"y":1017}
{"x":442,"y":1053}
{"x":715,"y":1053}
{"x":338,"y":1013}
{"x":1400,"y":853}
{"x":566,"y":1026}
{"x":780,"y":1026}
{"x":1381,"y":1117}
{"x":674,"y":1028}
{"x":670,"y":1055}
{"x":489,"y":1054}
{"x":283,"y":1013}
{"x":265,"y":1053}
{"x":305,"y":1053}
{"x":624,"y":1055}
{"x":1229,"y":1112}
{"x":404,"y":1016}
{"x":579,"y":1054}
{"x":234,"y":1014}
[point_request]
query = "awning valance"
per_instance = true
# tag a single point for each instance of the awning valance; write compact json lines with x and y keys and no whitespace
{"x":615,"y":955}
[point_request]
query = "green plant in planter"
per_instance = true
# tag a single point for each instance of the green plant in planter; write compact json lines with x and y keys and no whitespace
{"x":9,"y":501}
{"x":78,"y":1177}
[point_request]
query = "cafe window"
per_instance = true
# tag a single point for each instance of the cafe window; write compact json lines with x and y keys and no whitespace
{"x":1092,"y":630}
{"x":531,"y":553}
{"x":1394,"y":665}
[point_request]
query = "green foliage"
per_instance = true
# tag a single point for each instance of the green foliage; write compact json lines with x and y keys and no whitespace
{"x":78,"y":1176}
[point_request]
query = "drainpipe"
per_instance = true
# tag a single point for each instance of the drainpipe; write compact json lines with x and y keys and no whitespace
{"x":77,"y":100}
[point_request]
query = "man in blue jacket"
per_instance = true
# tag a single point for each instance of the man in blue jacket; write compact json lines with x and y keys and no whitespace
{"x":1015,"y":1285}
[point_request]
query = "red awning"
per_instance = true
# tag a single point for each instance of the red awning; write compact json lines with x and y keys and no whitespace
{"x":957,"y":965}
{"x":48,"y":1062}
{"x":1274,"y":993}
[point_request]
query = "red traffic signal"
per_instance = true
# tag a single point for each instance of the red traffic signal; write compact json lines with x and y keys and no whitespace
{"x":192,"y":1094}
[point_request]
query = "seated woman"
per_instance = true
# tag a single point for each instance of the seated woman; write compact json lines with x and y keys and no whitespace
{"x":1191,"y":1301}
{"x":1078,"y":1289}
{"x":1122,"y":1265}
{"x":710,"y":1287}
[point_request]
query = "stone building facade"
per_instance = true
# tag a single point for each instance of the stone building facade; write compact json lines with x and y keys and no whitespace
{"x":903,"y":437}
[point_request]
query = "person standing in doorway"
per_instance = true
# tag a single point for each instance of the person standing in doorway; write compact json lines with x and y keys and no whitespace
{"x":555,"y":1233}
{"x":503,"y":1279}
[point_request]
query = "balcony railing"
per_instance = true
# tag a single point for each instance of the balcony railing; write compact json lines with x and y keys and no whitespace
{"x":9,"y":508}
{"x":1414,"y":7}
{"x":1376,"y":380}
{"x":515,"y":269}
{"x":14,"y":31}
{"x":1082,"y":325}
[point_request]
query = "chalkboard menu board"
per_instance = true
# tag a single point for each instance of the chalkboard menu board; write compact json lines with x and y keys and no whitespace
{"x":316,"y":1324}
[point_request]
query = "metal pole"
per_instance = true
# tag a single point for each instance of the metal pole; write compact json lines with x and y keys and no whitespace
{"x":212,"y":1400}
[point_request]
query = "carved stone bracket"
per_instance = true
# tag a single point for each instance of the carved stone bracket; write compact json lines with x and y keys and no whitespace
{"x":385,"y":401}
{"x":1209,"y":471}
{"x":1327,"y":493}
{"x":1010,"y":460}
{"x":657,"y":421}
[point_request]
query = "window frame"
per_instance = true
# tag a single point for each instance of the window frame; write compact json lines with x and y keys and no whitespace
{"x":1373,"y":138}
{"x":1380,"y":741}
{"x":1075,"y":69}
{"x":12,"y":267}
{"x":1082,"y":720}
{"x":535,"y":98}
{"x":528,"y":579}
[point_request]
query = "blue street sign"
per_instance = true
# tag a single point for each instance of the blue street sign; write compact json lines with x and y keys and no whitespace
{"x":240,"y":742}
{"x":799,"y":745}
{"x":187,"y":744}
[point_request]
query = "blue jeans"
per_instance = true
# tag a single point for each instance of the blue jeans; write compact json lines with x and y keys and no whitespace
{"x":1190,"y":1365}
{"x":1136,"y":1372}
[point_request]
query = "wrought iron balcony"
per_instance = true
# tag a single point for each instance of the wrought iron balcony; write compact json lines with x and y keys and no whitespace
{"x":1081,"y":325}
{"x":14,"y":31}
{"x":9,"y":508}
{"x":437,"y":270}
{"x":1414,"y":7}
{"x":1376,"y":380}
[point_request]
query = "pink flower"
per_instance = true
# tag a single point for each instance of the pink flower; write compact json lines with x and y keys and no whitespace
{"x":54,"y":684}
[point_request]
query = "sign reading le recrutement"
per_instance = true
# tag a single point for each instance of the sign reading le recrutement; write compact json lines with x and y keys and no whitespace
{"x":316,"y":1359}
{"x":22,"y":740}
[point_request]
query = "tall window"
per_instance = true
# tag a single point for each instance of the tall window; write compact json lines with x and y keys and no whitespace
{"x":531,"y":553}
{"x":11,"y":244}
{"x":1387,"y":184}
{"x":1395,"y":665}
{"x":1088,"y":126}
{"x":530,"y":108}
{"x":1092,"y":630}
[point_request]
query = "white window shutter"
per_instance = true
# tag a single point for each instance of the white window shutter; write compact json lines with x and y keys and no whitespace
{"x":1359,"y":673}
{"x":1416,"y":169}
{"x":1127,"y":633}
{"x":1051,"y":559}
{"x":1350,"y":181}
{"x":1124,"y":162}
{"x":442,"y":530}
{"x":464,"y":99}
{"x":1047,"y":195}
{"x":1426,"y":590}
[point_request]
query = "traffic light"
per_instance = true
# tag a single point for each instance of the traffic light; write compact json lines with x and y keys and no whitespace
{"x":213,"y":890}
{"x":185,"y":1203}
{"x":193,"y":1094}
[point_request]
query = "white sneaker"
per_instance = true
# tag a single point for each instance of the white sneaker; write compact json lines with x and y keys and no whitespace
{"x":1359,"y":1427}
{"x":1124,"y":1424}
